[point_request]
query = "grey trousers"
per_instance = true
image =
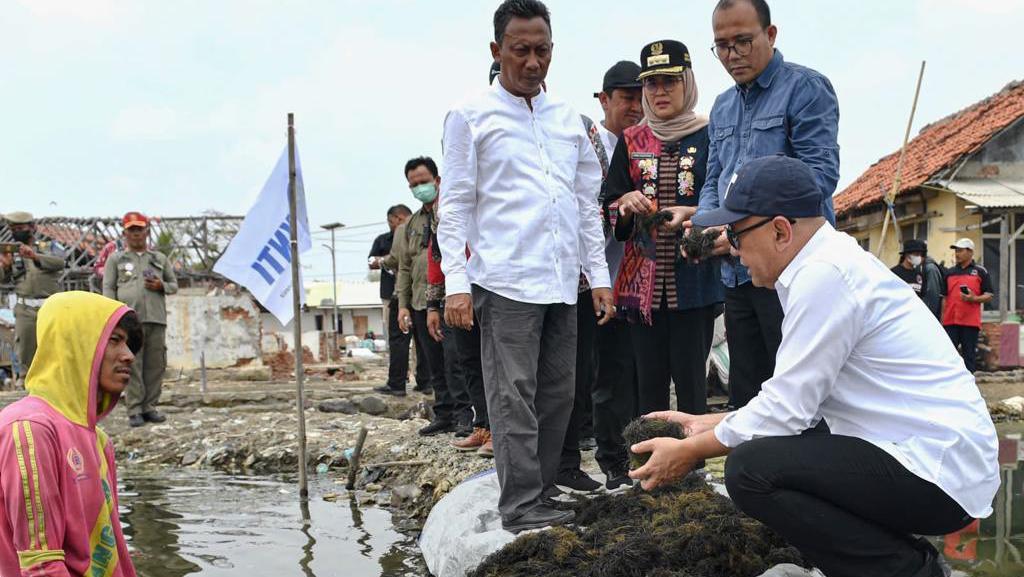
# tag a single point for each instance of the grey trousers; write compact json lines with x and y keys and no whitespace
{"x":528,"y":352}
{"x":143,"y":391}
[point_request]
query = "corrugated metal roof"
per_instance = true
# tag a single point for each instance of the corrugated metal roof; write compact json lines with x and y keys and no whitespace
{"x":990,"y":193}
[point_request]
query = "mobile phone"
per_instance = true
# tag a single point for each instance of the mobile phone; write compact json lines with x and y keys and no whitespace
{"x":9,"y":247}
{"x":965,"y":290}
{"x":149,"y":273}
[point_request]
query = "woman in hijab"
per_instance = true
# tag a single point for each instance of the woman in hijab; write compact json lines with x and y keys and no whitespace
{"x":653,"y":185}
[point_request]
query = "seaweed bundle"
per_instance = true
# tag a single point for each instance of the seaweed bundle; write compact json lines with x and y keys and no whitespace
{"x":643,"y":429}
{"x":699,"y":243}
{"x":684,"y":530}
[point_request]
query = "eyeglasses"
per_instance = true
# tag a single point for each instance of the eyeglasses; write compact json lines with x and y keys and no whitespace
{"x":669,"y":83}
{"x":734,"y":235}
{"x":742,"y":46}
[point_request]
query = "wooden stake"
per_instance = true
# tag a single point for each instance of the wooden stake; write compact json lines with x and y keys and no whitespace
{"x":353,"y":464}
{"x":293,"y":222}
{"x":891,"y":197}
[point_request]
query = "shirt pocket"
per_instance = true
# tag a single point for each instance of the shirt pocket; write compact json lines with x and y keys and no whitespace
{"x":725,"y":146}
{"x":769,"y":135}
{"x":564,"y":156}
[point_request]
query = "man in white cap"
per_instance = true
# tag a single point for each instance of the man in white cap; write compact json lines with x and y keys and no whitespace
{"x":34,"y":268}
{"x":968,"y":287}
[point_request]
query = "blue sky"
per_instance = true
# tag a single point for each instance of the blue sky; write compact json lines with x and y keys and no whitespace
{"x":174,"y":108}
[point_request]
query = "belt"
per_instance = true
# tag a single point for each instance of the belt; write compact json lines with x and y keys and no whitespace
{"x":33,"y":303}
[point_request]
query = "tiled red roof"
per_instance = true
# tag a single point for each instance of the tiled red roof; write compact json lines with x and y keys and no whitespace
{"x":935,"y":148}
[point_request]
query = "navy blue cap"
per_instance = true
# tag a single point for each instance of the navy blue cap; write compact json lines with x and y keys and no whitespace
{"x":767,"y":186}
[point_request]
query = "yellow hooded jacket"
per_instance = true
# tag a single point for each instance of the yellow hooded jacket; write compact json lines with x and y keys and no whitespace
{"x":58,"y":483}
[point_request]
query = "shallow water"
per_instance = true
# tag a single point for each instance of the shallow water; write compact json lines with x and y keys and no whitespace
{"x":995,"y":546}
{"x":200,"y":523}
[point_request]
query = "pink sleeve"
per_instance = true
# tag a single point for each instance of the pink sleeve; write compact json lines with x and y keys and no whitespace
{"x":32,"y":501}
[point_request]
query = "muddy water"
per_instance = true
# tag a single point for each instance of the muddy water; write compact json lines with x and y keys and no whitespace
{"x":209,"y":524}
{"x":199,"y":523}
{"x":994,"y":547}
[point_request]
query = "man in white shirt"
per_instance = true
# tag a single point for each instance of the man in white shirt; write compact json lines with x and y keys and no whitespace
{"x":912,"y":450}
{"x":521,"y":189}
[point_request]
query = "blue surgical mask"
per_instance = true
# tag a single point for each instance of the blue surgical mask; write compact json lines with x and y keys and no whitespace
{"x":425,"y":193}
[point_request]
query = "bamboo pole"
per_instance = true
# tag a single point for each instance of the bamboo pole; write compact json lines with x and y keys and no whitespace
{"x":891,"y":197}
{"x":293,"y":222}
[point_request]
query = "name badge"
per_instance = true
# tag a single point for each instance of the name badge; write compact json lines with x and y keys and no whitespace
{"x":635,"y":155}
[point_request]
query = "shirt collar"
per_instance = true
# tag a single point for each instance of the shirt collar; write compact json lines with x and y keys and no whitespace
{"x":813,"y":245}
{"x":498,"y":89}
{"x":764,"y":80}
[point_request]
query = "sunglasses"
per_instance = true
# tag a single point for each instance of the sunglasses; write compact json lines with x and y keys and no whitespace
{"x":734,"y":235}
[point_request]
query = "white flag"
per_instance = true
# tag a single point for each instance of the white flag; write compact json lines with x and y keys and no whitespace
{"x":259,"y":257}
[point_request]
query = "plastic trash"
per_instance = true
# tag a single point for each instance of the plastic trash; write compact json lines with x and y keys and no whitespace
{"x":322,"y":468}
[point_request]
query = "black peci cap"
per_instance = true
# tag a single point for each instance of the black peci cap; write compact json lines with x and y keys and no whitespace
{"x":664,"y":57}
{"x":494,"y":72}
{"x":914,"y":245}
{"x":624,"y":74}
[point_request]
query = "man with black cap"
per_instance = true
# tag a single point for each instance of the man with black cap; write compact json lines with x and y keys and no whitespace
{"x":775,"y":107}
{"x":912,"y":449}
{"x":605,"y":372}
{"x":34,"y":268}
{"x":921,"y":273}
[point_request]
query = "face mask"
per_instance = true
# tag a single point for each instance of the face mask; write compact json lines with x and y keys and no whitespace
{"x":425,"y":193}
{"x":22,"y":236}
{"x":916,"y":260}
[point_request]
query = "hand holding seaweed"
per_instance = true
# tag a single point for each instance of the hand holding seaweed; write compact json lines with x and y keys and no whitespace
{"x":640,"y":430}
{"x":699,"y":244}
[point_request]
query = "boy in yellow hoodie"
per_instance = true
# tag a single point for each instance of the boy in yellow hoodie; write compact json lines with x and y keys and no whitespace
{"x":58,"y":483}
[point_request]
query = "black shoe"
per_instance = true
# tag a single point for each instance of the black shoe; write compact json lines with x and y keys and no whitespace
{"x":539,"y":517}
{"x":588,"y":444}
{"x":153,"y":417}
{"x":463,"y":430}
{"x":617,"y":477}
{"x":425,"y":389}
{"x":136,"y":421}
{"x":577,"y":480}
{"x":934,"y":564}
{"x":436,"y":427}
{"x":386,"y":390}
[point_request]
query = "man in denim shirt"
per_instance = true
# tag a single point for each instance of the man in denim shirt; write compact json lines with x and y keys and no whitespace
{"x":776,"y":107}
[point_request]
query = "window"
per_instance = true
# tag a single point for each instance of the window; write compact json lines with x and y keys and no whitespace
{"x":918,"y":230}
{"x":865,"y":243}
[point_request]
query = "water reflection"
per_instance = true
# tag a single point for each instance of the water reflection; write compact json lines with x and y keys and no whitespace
{"x":994,"y":546}
{"x":199,"y":523}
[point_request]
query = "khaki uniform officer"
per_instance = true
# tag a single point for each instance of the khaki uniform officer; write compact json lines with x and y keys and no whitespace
{"x":35,"y":269}
{"x":142,"y":278}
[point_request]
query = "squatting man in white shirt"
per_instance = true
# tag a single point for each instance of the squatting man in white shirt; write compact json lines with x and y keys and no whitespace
{"x":911,"y":448}
{"x":520,"y":190}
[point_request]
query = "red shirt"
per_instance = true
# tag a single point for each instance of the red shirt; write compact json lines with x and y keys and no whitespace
{"x":959,"y":312}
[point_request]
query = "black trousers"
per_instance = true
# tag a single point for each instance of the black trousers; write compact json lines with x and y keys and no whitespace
{"x":586,"y":367}
{"x":398,"y":351}
{"x":469,"y":357}
{"x":965,"y":339}
{"x":450,"y":400}
{"x":674,"y":349}
{"x":614,"y":394}
{"x":847,"y":505}
{"x":753,"y":328}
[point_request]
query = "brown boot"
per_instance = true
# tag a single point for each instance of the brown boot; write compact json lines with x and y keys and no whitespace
{"x":487,"y":449}
{"x":474,"y":441}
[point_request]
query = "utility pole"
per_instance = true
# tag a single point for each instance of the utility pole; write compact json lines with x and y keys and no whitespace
{"x":334,"y":279}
